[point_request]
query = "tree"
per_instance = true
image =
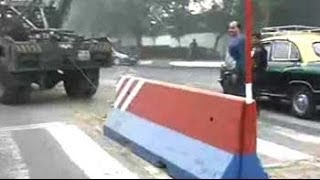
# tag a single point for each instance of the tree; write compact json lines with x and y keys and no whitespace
{"x":172,"y":16}
{"x":217,"y":18}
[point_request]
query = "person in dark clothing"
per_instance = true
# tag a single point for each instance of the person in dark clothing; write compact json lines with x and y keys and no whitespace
{"x":194,"y":49}
{"x":260,"y":58}
{"x":237,"y":52}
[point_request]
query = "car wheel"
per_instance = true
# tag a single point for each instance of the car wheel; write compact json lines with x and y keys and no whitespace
{"x":81,"y":84}
{"x":302,"y":101}
{"x":117,"y":62}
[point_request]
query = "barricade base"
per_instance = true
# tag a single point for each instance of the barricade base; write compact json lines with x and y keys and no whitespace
{"x":240,"y":167}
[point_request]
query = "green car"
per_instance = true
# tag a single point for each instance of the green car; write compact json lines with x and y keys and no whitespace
{"x":294,"y":71}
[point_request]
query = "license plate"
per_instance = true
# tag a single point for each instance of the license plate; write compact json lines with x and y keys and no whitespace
{"x":84,"y":55}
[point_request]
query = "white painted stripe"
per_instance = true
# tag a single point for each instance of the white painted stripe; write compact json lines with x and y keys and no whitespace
{"x":145,"y":62}
{"x":89,"y":156}
{"x":30,"y":127}
{"x":295,"y":135}
{"x":249,"y":94}
{"x":12,"y":164}
{"x":280,"y":152}
{"x":107,"y":82}
{"x":292,"y":120}
{"x":120,"y":83}
{"x":123,"y":92}
{"x":132,"y":95}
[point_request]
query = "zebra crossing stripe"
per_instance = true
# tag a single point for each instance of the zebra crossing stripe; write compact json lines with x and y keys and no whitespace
{"x":295,"y":135}
{"x":279,"y":152}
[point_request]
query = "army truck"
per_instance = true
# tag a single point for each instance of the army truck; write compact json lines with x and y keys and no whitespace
{"x":34,"y":53}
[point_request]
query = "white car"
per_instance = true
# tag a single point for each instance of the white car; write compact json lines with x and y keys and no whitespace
{"x":123,"y":59}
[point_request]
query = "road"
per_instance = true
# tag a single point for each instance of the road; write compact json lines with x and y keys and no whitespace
{"x":48,"y":137}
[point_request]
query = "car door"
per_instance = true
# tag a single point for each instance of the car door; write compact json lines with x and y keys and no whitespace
{"x":284,"y":54}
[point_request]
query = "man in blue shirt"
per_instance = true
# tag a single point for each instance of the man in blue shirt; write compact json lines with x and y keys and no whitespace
{"x":237,"y":52}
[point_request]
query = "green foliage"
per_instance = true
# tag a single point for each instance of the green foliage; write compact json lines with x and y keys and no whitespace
{"x":156,"y":17}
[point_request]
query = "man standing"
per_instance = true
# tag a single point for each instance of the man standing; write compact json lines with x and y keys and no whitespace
{"x":260,"y":57}
{"x":237,"y":52}
{"x":194,"y":49}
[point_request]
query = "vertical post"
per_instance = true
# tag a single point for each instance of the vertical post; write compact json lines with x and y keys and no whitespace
{"x":249,"y":61}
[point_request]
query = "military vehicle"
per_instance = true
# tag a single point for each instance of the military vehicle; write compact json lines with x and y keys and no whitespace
{"x":35,"y":50}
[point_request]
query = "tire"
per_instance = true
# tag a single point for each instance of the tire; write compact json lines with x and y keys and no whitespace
{"x":117,"y":62}
{"x":51,"y":79}
{"x":78,"y":86}
{"x":13,"y":90}
{"x":228,"y":85}
{"x":14,"y":94}
{"x":302,"y":103}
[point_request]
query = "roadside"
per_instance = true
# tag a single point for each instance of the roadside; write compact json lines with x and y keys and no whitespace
{"x":180,"y":63}
{"x":286,"y":143}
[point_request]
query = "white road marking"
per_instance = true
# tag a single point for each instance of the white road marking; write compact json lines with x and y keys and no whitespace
{"x":196,"y":64}
{"x":292,"y":120}
{"x":280,"y":152}
{"x":107,"y":82}
{"x":12,"y":165}
{"x":295,"y":135}
{"x":89,"y":156}
{"x":29,"y":127}
{"x":145,"y":62}
{"x":132,"y":95}
{"x":124,"y":92}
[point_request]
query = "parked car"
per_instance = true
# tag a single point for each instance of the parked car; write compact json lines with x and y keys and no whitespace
{"x":293,"y":71}
{"x":125,"y":56}
{"x":124,"y":59}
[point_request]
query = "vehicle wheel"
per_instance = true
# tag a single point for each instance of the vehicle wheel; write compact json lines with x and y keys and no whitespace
{"x":51,"y":79}
{"x":117,"y":62}
{"x":133,"y":63}
{"x":15,"y":95}
{"x":228,"y":85}
{"x":81,"y":84}
{"x":302,"y":102}
{"x":13,"y":89}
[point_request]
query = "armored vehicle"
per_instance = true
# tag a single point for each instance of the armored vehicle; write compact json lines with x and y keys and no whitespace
{"x":34,"y":52}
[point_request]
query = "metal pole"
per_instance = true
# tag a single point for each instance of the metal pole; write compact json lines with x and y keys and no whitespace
{"x":249,"y":60}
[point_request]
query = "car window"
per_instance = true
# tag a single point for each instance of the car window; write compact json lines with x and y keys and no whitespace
{"x":284,"y":51}
{"x":280,"y":51}
{"x":294,"y":52}
{"x":316,"y":47}
{"x":268,"y":46}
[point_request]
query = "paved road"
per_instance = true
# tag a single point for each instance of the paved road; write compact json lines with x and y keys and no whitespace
{"x":43,"y":139}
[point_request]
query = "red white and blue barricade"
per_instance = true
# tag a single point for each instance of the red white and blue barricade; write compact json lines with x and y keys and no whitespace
{"x":193,"y":133}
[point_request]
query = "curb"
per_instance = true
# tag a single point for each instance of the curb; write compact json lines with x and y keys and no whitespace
{"x":181,"y":64}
